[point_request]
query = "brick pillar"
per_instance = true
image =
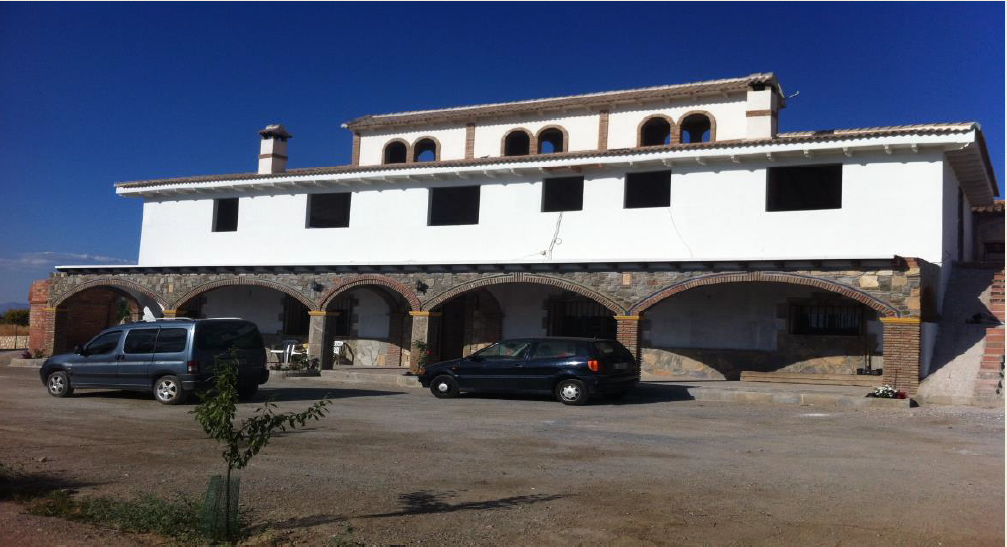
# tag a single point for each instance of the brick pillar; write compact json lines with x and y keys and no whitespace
{"x":603,"y":130}
{"x":394,"y":356}
{"x":41,"y":318}
{"x":355,"y":155}
{"x":422,"y":329}
{"x":627,"y":332}
{"x":319,"y":346}
{"x":470,"y":140}
{"x":901,"y":349}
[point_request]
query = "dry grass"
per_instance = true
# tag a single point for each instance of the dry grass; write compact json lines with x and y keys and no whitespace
{"x":13,"y":330}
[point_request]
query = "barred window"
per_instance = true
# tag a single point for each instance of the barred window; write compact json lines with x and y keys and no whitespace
{"x":826,"y":320}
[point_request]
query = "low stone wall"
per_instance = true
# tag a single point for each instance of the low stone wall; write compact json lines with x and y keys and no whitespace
{"x":27,"y":363}
{"x":14,"y":342}
{"x":727,"y":364}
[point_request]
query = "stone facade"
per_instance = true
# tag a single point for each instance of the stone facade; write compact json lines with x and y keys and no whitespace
{"x":891,"y":288}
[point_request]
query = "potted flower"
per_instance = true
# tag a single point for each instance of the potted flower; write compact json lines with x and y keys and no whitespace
{"x":887,"y":392}
{"x":424,"y":355}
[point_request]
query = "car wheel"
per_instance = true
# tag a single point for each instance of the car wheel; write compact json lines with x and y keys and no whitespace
{"x":168,"y":391}
{"x":444,"y":387}
{"x":571,"y":392}
{"x":58,"y":384}
{"x":247,"y":391}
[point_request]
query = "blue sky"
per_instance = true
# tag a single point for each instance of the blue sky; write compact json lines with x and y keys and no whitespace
{"x":98,"y":93}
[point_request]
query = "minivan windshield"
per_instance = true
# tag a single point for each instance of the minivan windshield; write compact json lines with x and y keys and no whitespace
{"x":223,"y":335}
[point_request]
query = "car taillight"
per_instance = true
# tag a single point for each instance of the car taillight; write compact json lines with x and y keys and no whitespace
{"x":594,"y":365}
{"x":193,"y":367}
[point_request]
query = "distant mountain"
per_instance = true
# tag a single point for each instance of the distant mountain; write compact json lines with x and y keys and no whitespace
{"x":13,"y":306}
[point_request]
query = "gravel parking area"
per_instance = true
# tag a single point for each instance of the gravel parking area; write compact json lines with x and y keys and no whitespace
{"x":401,"y":467}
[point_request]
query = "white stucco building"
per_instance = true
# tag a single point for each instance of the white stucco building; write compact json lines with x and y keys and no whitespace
{"x":809,"y":251}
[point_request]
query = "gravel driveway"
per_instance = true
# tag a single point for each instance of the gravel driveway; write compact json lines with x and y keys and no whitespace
{"x":401,"y":467}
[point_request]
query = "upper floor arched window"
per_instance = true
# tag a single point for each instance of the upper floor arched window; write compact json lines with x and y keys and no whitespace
{"x":425,"y":149}
{"x":551,"y":140}
{"x":655,"y":131}
{"x":697,"y":127}
{"x":395,"y":152}
{"x":517,"y":143}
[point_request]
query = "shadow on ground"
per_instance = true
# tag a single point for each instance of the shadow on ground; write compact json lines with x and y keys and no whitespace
{"x":425,"y":502}
{"x":646,"y":393}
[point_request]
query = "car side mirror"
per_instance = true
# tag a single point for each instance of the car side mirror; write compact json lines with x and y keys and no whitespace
{"x":78,"y":350}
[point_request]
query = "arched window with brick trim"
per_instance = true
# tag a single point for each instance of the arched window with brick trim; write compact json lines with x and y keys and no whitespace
{"x":696,"y":127}
{"x":551,"y":140}
{"x":395,"y":152}
{"x":517,"y":143}
{"x":655,"y":131}
{"x":426,"y":149}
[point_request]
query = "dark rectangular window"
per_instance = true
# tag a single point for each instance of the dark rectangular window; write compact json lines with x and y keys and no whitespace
{"x":651,"y":189}
{"x":171,"y":340}
{"x":139,"y":341}
{"x":225,"y":215}
{"x":329,"y":210}
{"x":563,"y":194}
{"x":827,"y":320}
{"x":804,"y":188}
{"x":454,"y":206}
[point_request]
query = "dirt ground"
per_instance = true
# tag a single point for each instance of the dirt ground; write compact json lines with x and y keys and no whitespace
{"x":401,"y":467}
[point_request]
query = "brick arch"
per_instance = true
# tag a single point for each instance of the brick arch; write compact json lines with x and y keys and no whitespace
{"x":676,"y":136}
{"x":443,"y":297}
{"x":121,"y":284}
{"x":412,"y":149}
{"x":532,"y":141}
{"x":671,"y":127}
{"x":205,"y":287}
{"x":883,"y":308}
{"x":561,"y":129}
{"x":364,"y":280}
{"x":384,"y":150}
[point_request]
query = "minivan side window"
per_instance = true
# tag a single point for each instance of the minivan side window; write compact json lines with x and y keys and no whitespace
{"x":171,"y":340}
{"x":139,"y":341}
{"x":106,"y":343}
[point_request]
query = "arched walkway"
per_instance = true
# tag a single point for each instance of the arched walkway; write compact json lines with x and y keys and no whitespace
{"x":564,"y":284}
{"x":364,"y":322}
{"x":872,"y":302}
{"x":362,"y":280}
{"x":87,"y":311}
{"x":109,"y":282}
{"x":181,"y":301}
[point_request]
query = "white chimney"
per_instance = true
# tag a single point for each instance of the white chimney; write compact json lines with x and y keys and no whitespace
{"x":762,"y":109}
{"x":273,"y":151}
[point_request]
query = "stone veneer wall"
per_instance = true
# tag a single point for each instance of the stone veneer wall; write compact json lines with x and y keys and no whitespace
{"x":893,"y":288}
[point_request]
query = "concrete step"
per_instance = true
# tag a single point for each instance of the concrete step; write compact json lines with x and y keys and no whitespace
{"x":810,"y":378}
{"x":382,"y":377}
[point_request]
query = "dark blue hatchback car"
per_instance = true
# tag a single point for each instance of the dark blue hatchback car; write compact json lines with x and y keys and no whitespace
{"x":572,"y":369}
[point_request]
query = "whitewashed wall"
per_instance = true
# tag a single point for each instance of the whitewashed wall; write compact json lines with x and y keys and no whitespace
{"x":582,"y":130}
{"x":729,"y":114}
{"x":523,"y":308}
{"x":891,"y":206}
{"x":372,"y":314}
{"x":259,"y":305}
{"x":451,"y":138}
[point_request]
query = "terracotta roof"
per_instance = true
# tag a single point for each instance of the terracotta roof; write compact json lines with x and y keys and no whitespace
{"x":782,"y":138}
{"x":997,"y":207}
{"x":588,"y":100}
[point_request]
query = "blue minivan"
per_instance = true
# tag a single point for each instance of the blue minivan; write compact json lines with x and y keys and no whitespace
{"x":571,"y":369}
{"x":169,"y":358}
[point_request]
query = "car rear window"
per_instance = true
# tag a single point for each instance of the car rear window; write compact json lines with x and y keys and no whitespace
{"x":607,"y":348}
{"x":221,"y":336}
{"x":171,"y":340}
{"x":556,"y":349}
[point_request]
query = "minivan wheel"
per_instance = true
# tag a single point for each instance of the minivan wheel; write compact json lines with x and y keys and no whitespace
{"x":444,"y":387}
{"x":168,"y":391}
{"x":571,"y":392}
{"x":58,"y":384}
